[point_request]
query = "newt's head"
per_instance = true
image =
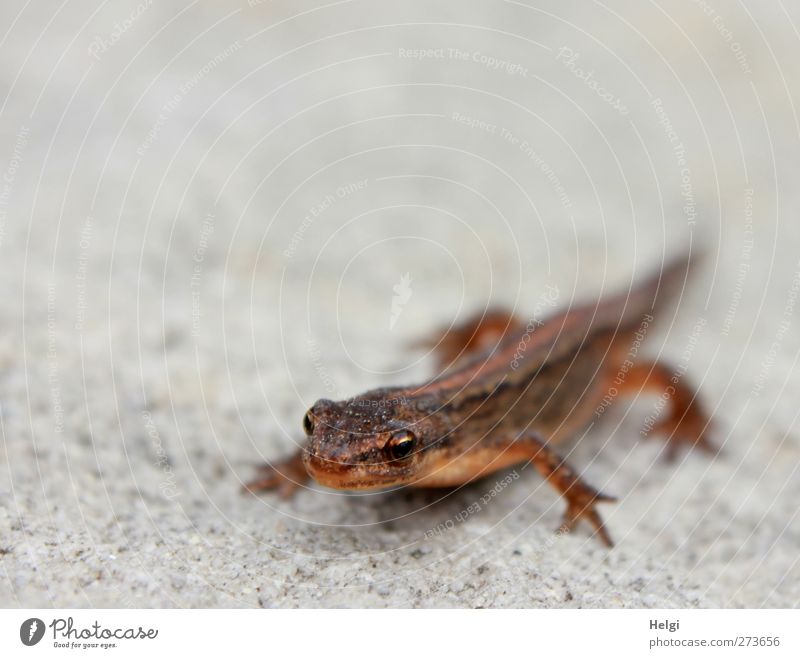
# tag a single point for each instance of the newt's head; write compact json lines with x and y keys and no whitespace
{"x":372,"y":441}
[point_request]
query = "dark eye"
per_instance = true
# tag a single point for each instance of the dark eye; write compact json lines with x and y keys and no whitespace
{"x":401,"y":445}
{"x":308,"y":424}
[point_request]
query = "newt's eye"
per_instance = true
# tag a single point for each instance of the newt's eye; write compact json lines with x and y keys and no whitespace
{"x":308,"y":424}
{"x":401,"y":445}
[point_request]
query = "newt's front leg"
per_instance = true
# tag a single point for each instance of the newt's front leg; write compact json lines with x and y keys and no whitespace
{"x":581,"y":497}
{"x":286,"y":476}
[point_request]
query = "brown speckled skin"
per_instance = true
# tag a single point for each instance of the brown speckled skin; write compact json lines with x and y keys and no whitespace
{"x":504,"y":404}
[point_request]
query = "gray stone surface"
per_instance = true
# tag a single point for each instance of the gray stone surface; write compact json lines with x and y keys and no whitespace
{"x":169,"y":313}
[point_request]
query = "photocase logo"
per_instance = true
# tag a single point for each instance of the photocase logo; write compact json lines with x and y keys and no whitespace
{"x":31,"y":631}
{"x":402,"y":293}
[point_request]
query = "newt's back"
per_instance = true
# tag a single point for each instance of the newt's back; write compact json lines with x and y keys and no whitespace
{"x":522,"y":353}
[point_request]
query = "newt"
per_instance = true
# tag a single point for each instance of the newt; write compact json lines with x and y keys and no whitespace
{"x":510,"y":392}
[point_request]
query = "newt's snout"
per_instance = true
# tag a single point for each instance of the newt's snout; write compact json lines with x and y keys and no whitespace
{"x":357,"y":463}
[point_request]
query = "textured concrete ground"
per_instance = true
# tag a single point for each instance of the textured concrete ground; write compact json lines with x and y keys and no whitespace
{"x":207,"y":214}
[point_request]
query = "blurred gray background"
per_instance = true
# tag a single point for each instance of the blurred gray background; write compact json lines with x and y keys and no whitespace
{"x":205,"y":209}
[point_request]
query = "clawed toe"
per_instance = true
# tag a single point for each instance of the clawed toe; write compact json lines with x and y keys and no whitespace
{"x":582,"y":507}
{"x":692,"y":431}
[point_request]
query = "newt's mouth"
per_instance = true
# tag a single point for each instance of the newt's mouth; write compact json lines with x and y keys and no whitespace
{"x":337,"y":475}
